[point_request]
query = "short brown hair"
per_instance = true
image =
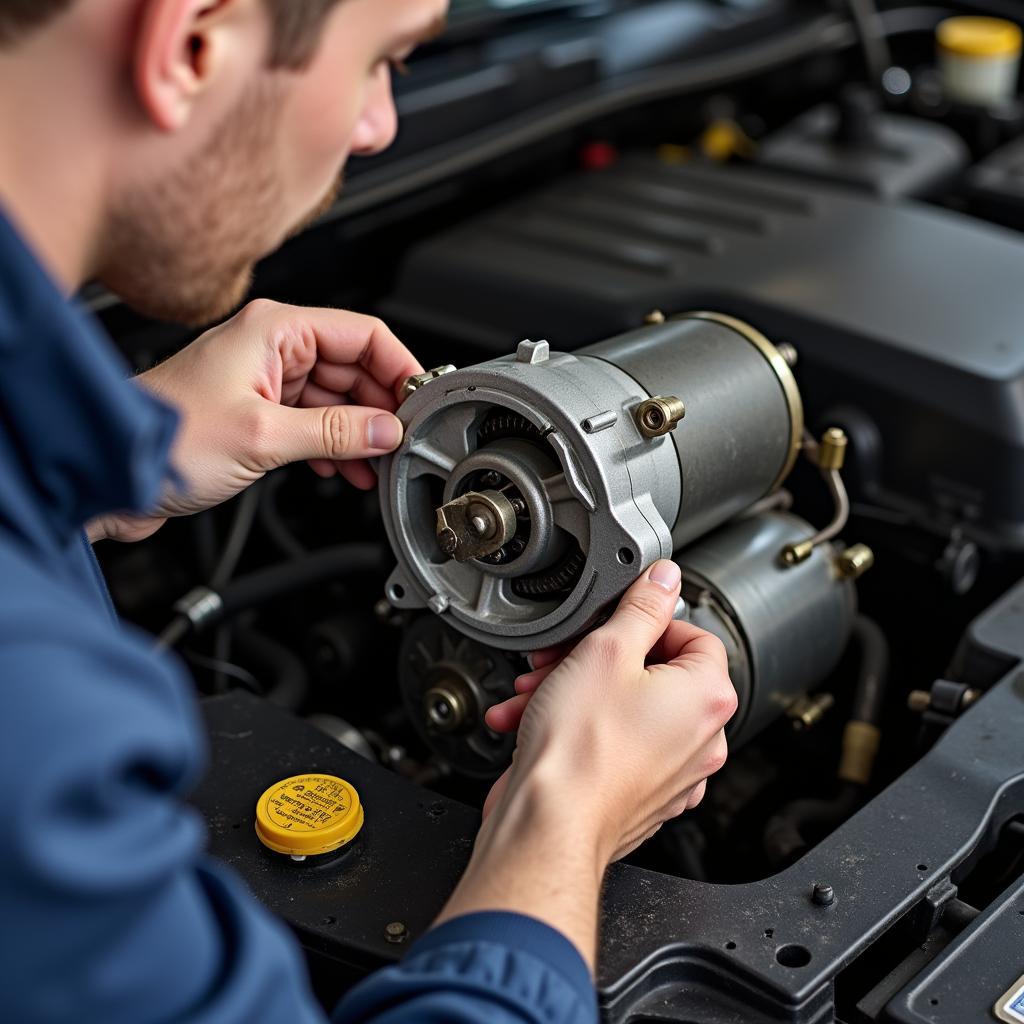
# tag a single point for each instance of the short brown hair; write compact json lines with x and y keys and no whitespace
{"x":295,"y":27}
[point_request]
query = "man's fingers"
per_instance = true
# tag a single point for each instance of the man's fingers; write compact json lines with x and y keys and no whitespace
{"x":683,"y":640}
{"x":506,"y":717}
{"x":528,"y":682}
{"x":540,"y":659}
{"x":305,"y":335}
{"x":338,"y":433}
{"x":642,"y":616}
{"x":352,"y":381}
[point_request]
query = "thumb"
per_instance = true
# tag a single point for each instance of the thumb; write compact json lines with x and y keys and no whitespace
{"x":335,"y":432}
{"x":646,"y":609}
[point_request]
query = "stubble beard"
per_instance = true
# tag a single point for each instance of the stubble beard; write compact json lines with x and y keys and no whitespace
{"x":183,"y":249}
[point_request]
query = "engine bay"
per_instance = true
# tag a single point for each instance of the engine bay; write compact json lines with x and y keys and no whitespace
{"x":710,"y":281}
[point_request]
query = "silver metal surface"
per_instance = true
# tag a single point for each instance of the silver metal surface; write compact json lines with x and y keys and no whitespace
{"x":737,"y":439}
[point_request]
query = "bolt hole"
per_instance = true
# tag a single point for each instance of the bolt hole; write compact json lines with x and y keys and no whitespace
{"x":922,"y":867}
{"x":793,"y":956}
{"x":730,"y":945}
{"x":933,"y":1001}
{"x":626,"y":556}
{"x":238,"y":824}
{"x":397,"y":592}
{"x":769,"y":932}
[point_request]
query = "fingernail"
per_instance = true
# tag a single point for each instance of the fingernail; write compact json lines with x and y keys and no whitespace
{"x":666,"y":574}
{"x":529,"y":661}
{"x":384,"y":433}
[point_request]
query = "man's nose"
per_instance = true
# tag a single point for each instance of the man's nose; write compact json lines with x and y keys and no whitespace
{"x":378,"y":124}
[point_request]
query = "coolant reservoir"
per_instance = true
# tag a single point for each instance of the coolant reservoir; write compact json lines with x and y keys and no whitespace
{"x":979,"y":59}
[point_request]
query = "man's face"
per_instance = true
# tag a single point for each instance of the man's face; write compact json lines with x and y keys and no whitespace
{"x":183,"y":246}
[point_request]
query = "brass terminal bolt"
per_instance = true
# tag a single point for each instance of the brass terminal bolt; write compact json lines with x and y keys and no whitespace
{"x":832,"y":449}
{"x":658,"y":416}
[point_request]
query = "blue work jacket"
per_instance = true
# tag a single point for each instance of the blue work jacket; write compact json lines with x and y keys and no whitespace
{"x":110,"y":911}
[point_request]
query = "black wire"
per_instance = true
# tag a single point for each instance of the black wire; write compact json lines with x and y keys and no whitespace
{"x":238,"y":536}
{"x":272,"y":522}
{"x":277,"y":581}
{"x":174,"y":633}
{"x":224,"y":668}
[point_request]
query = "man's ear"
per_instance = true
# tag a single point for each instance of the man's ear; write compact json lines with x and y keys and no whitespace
{"x":180,"y":46}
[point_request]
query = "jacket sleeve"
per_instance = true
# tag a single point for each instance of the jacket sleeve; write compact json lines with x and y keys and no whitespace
{"x":111,"y":912}
{"x":485,"y":968}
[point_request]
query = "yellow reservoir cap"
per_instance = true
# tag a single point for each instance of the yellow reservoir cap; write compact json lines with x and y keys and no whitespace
{"x":979,"y":37}
{"x":308,"y":815}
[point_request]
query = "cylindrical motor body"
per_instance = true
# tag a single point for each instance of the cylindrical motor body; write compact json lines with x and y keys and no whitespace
{"x":744,"y":417}
{"x":784,"y":629}
{"x":546,"y":456}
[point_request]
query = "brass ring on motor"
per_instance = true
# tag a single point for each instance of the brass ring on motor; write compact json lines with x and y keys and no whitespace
{"x":783,"y":373}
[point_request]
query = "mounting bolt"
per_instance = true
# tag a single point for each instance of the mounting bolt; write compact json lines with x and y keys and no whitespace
{"x":658,"y":416}
{"x":654,"y":317}
{"x":823,"y":895}
{"x":449,"y":541}
{"x":396,"y":932}
{"x":438,"y":604}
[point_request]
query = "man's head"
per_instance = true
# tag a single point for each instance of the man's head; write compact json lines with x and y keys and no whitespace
{"x":226,"y":124}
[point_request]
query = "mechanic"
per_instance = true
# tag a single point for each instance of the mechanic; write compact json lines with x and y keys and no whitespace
{"x":162,"y":147}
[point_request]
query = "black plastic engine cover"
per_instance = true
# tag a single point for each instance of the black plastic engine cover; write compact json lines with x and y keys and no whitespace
{"x":907,"y":316}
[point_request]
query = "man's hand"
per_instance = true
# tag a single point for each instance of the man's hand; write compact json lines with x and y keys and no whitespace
{"x":275,"y":384}
{"x":614,"y":739}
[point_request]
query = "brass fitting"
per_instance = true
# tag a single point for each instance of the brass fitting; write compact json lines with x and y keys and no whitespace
{"x":421,"y":379}
{"x":794,"y":554}
{"x":658,"y":416}
{"x":806,"y":712}
{"x":832,"y":449}
{"x":860,"y":747}
{"x":919,"y":700}
{"x":655,"y":317}
{"x":855,"y":561}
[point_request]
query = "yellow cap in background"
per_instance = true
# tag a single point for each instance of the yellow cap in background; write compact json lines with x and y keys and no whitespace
{"x":979,"y":37}
{"x":308,"y":815}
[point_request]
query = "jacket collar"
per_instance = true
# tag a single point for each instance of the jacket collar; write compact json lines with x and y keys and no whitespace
{"x":77,"y":440}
